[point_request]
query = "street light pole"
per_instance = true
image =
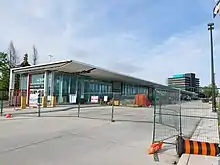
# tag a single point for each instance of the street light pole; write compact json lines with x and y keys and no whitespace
{"x":211,"y":28}
{"x":50,"y":57}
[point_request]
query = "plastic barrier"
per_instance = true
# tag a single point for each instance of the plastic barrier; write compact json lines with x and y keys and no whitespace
{"x":186,"y":146}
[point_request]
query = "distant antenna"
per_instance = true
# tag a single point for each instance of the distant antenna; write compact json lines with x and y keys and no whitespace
{"x":50,"y":57}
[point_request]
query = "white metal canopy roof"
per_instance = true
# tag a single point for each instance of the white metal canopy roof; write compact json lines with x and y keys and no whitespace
{"x":74,"y":67}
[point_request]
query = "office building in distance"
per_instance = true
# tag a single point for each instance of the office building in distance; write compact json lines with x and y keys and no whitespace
{"x":187,"y":81}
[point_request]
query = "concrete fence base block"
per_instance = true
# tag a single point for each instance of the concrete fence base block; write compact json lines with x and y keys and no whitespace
{"x":184,"y":159}
{"x":187,"y":159}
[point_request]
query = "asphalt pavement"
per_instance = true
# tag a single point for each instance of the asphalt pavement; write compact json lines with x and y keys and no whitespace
{"x":63,"y":138}
{"x":68,"y":140}
{"x":5,"y":103}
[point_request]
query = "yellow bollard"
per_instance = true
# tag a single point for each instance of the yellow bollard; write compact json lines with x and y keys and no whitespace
{"x":44,"y":101}
{"x":53,"y":101}
{"x":116,"y":102}
{"x":23,"y":102}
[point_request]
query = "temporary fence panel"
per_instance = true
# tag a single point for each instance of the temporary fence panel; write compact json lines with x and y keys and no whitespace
{"x":15,"y":97}
{"x":3,"y":101}
{"x":96,"y":106}
{"x":185,"y":113}
{"x":166,"y":115}
{"x":134,"y":108}
{"x":111,"y":106}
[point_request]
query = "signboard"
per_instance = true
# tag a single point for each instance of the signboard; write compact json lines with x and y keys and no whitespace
{"x":178,"y":76}
{"x":72,"y":98}
{"x":105,"y":98}
{"x":36,"y":86}
{"x":33,"y":100}
{"x":94,"y":99}
{"x":48,"y":98}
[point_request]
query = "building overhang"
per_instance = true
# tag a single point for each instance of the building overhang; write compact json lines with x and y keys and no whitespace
{"x":79,"y":68}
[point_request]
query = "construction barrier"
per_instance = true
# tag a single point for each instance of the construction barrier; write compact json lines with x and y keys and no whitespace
{"x":142,"y":100}
{"x":188,"y":114}
{"x":186,"y":146}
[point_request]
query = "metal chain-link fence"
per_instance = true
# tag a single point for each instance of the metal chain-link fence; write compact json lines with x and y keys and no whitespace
{"x":116,"y":107}
{"x":3,"y":101}
{"x":112,"y":106}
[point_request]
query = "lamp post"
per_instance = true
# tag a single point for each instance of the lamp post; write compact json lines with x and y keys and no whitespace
{"x":211,"y":28}
{"x":50,"y":57}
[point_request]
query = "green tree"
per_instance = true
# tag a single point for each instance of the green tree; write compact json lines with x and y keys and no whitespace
{"x":13,"y":57}
{"x":4,"y":71}
{"x":207,"y":90}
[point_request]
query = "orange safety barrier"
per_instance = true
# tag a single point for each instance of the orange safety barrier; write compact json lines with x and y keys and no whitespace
{"x":142,"y":100}
{"x":186,"y":146}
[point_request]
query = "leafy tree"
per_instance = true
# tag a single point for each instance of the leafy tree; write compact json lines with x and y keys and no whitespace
{"x":207,"y":90}
{"x":23,"y":64}
{"x":5,"y":71}
{"x":13,"y":60}
{"x":13,"y":57}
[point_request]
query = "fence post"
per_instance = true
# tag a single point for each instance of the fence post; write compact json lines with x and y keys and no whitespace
{"x":155,"y":108}
{"x":38,"y":105}
{"x":1,"y":103}
{"x":180,"y":114}
{"x":160,"y":113}
{"x":78,"y":108}
{"x":78,"y":94}
{"x":112,"y":117}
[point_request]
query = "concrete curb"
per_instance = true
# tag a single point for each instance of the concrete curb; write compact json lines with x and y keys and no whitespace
{"x":187,"y":159}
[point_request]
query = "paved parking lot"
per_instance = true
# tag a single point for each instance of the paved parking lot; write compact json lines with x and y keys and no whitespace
{"x":55,"y":140}
{"x":63,"y":138}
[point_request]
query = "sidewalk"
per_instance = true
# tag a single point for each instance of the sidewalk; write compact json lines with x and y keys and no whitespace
{"x":206,"y":127}
{"x":58,"y":108}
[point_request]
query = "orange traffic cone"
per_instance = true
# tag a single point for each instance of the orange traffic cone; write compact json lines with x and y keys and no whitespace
{"x":8,"y":115}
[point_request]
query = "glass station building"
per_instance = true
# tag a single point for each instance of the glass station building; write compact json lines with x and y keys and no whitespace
{"x":66,"y":79}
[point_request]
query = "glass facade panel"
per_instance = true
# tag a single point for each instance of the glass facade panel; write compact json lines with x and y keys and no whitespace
{"x":66,"y":84}
{"x":49,"y":84}
{"x":65,"y":88}
{"x":85,"y":87}
{"x":23,"y":81}
{"x":37,"y":79}
{"x":128,"y":89}
{"x":37,"y":83}
{"x":58,"y":87}
{"x":72,"y":85}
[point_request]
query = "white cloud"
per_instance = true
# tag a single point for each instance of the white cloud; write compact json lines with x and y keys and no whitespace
{"x":66,"y":30}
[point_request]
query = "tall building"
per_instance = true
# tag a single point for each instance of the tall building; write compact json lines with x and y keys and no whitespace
{"x":187,"y":81}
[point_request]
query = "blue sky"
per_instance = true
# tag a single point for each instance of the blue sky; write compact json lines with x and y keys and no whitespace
{"x":144,"y":38}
